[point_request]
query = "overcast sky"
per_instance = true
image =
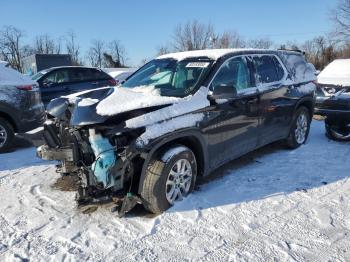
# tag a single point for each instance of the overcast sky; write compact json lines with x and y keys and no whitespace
{"x":142,"y":26}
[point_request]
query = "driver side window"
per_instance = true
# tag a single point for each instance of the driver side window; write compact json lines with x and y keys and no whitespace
{"x":233,"y":73}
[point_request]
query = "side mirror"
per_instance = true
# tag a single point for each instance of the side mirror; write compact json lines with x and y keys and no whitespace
{"x":47,"y":84}
{"x":223,"y":92}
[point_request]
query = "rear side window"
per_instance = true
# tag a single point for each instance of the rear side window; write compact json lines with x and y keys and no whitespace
{"x":98,"y":75}
{"x":87,"y":74}
{"x":268,"y":69}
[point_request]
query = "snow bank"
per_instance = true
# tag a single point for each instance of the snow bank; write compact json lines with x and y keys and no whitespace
{"x":124,"y":99}
{"x":336,"y":73}
{"x":168,"y":126}
{"x":269,"y":205}
{"x":11,"y":77}
{"x":182,"y":106}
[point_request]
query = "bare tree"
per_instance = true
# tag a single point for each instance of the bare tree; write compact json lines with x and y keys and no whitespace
{"x":95,"y":53}
{"x":341,"y":18}
{"x":117,"y":54}
{"x":11,"y":46}
{"x":262,"y":43}
{"x":192,"y":36}
{"x":229,"y":39}
{"x":72,"y":48}
{"x":162,"y":50}
{"x":44,"y":44}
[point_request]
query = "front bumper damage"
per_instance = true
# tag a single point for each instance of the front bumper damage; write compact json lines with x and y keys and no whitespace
{"x":105,"y":166}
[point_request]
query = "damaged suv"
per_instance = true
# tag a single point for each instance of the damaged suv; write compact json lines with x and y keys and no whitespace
{"x":177,"y":118}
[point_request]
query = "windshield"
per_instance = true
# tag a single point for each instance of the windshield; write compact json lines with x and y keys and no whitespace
{"x":170,"y":77}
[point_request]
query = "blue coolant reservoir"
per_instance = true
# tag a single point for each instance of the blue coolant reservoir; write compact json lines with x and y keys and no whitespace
{"x":105,"y":158}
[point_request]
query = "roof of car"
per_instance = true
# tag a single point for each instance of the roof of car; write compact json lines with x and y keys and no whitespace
{"x":336,"y":73}
{"x":62,"y":67}
{"x":217,"y":53}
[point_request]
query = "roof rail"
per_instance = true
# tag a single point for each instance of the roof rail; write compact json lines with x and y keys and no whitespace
{"x":294,"y":50}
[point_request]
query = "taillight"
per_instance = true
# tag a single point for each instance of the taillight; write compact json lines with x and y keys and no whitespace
{"x":25,"y":88}
{"x":112,"y":82}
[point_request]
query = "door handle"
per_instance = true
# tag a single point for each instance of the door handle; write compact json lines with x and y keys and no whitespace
{"x":94,"y":83}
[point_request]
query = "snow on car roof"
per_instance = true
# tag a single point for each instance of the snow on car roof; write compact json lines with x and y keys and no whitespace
{"x":336,"y":73}
{"x":9,"y":76}
{"x":210,"y":53}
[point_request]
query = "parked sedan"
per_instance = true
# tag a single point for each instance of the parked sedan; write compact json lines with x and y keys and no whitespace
{"x":21,"y":108}
{"x":333,"y":99}
{"x":61,"y":81}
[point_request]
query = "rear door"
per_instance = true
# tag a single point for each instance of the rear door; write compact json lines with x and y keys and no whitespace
{"x":276,"y":106}
{"x":239,"y":116}
{"x":88,"y":78}
{"x":54,"y":84}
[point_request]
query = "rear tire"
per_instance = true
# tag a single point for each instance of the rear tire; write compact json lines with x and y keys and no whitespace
{"x":6,"y":135}
{"x":300,"y":128}
{"x":169,"y":177}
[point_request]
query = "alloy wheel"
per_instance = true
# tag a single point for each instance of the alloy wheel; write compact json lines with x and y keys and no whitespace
{"x":3,"y":136}
{"x":301,"y":128}
{"x":179,"y":181}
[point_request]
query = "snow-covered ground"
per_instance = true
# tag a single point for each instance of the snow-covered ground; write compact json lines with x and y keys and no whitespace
{"x":273,"y":204}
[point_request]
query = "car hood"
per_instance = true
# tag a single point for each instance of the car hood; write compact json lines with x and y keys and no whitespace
{"x":86,"y":107}
{"x":120,"y":106}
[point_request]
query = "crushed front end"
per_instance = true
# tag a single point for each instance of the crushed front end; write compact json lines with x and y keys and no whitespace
{"x":102,"y":156}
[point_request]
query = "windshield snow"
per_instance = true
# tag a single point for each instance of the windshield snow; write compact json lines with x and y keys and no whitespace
{"x":170,"y":77}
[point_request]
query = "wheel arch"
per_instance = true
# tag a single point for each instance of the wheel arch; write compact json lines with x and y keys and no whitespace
{"x":307,"y":102}
{"x":191,"y":139}
{"x":10,"y":119}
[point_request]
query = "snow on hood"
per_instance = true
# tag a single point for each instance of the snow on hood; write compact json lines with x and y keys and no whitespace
{"x":168,"y":126}
{"x":336,"y":73}
{"x":180,"y":107}
{"x":11,"y":77}
{"x":210,"y":53}
{"x":127,"y":99}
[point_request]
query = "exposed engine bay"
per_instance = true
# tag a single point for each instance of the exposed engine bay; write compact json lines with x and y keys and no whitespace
{"x":104,"y":159}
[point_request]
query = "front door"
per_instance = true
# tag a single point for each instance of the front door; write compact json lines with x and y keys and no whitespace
{"x":54,"y":84}
{"x":238,"y":119}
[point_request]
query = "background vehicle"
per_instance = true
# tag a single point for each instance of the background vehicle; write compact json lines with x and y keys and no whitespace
{"x":38,"y":62}
{"x":333,"y":99}
{"x":61,"y":81}
{"x":179,"y":116}
{"x":21,"y":108}
{"x":119,"y":74}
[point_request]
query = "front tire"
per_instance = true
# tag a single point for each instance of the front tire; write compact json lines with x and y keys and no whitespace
{"x":6,"y":135}
{"x":300,"y":128}
{"x":337,"y":132}
{"x":170,"y":177}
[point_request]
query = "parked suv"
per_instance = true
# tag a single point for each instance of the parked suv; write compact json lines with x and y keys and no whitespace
{"x":21,"y":108}
{"x":177,"y":118}
{"x":333,"y":99}
{"x":60,"y":81}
